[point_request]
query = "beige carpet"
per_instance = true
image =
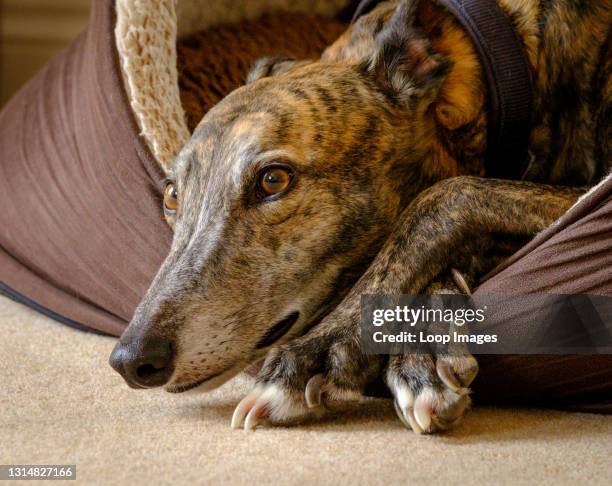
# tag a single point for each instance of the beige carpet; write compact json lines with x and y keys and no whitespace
{"x":60,"y":403}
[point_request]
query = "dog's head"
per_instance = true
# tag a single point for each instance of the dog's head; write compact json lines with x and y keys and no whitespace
{"x":283,"y":195}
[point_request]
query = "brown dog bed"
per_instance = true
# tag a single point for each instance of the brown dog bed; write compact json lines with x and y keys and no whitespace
{"x":216,"y":61}
{"x":83,"y":147}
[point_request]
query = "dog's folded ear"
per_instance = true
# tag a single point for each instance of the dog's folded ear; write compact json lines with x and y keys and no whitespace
{"x":403,"y":63}
{"x":271,"y":66}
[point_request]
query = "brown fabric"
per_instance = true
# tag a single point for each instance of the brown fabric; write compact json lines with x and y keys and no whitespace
{"x":573,"y":256}
{"x":82,"y":229}
{"x":216,"y":61}
{"x":551,"y":381}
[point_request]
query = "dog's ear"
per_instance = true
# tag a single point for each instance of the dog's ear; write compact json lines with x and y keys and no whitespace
{"x":403,"y":63}
{"x":271,"y":66}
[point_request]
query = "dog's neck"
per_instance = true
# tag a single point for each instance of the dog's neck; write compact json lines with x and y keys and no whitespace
{"x":459,"y":141}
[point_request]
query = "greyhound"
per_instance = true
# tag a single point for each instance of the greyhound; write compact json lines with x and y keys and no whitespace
{"x":360,"y":172}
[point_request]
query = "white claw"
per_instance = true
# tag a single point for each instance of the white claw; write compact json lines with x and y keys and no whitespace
{"x":446,"y":374}
{"x":423,"y":410}
{"x":460,"y":281}
{"x":242,"y":409}
{"x":407,"y":418}
{"x":413,"y":422}
{"x":404,"y":407}
{"x":314,"y":391}
{"x":255,"y":415}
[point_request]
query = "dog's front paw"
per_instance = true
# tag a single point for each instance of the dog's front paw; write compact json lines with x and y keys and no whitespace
{"x":299,"y":379}
{"x":272,"y":403}
{"x":430,"y":393}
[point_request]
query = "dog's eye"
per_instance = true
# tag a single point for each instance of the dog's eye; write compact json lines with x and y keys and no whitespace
{"x":275,"y":180}
{"x":170,"y":198}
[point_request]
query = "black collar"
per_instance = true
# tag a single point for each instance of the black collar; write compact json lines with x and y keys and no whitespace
{"x":508,"y":80}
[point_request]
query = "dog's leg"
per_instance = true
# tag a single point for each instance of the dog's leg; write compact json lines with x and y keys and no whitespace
{"x":449,"y":223}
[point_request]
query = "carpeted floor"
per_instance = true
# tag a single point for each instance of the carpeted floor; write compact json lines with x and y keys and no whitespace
{"x":60,"y":403}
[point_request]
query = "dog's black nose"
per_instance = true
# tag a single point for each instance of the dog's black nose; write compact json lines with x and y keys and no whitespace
{"x":143,"y":363}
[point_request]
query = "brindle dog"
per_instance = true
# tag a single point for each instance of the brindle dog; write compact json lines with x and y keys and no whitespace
{"x":361,"y":172}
